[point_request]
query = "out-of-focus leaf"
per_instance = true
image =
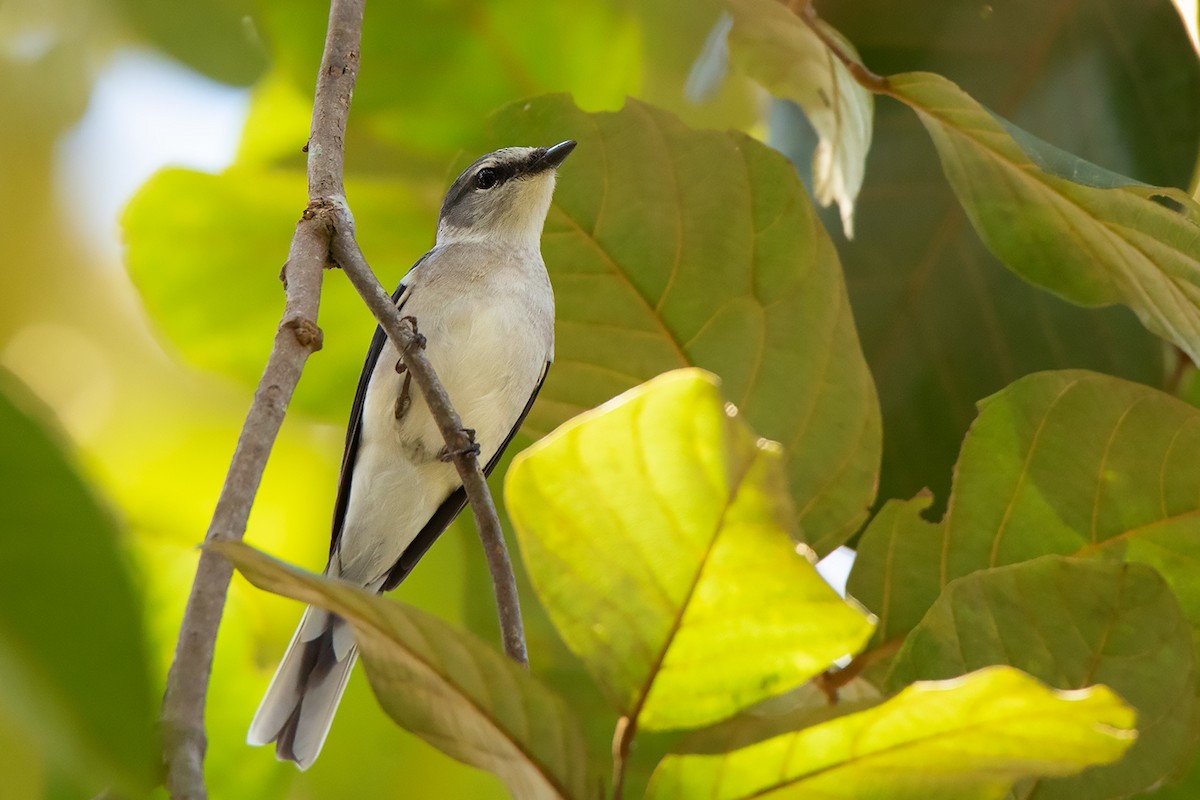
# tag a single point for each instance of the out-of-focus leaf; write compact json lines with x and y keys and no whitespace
{"x":205,"y":252}
{"x":484,"y":54}
{"x":67,"y":598}
{"x":1072,"y":623}
{"x":447,"y":687}
{"x":786,"y":56}
{"x":655,"y":530}
{"x":670,"y":247}
{"x":942,"y":323}
{"x":968,"y":738}
{"x":217,"y":38}
{"x":1091,"y":246}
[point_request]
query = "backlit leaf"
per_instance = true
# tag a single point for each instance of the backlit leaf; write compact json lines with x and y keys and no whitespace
{"x":655,"y":530}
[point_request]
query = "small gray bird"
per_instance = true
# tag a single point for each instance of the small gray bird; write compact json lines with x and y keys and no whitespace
{"x":482,"y":299}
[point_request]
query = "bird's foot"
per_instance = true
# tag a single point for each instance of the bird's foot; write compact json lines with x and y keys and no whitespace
{"x":417,"y":335}
{"x":472,"y":448}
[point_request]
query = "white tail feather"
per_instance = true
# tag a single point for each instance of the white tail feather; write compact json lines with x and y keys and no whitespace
{"x":298,"y":707}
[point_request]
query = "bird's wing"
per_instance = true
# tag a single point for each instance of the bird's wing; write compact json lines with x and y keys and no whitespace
{"x":354,"y":428}
{"x":452,"y":505}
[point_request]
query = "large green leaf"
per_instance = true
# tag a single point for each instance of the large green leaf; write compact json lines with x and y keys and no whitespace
{"x":786,"y":56}
{"x":447,"y":687}
{"x":942,"y":323}
{"x":1079,"y":463}
{"x":67,"y":599}
{"x":1070,"y":463}
{"x":655,"y":530}
{"x":1092,"y":246}
{"x":964,"y":739}
{"x":1073,"y":623}
{"x":670,"y":247}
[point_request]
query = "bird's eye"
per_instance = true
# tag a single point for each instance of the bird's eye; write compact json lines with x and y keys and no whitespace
{"x":486,"y":178}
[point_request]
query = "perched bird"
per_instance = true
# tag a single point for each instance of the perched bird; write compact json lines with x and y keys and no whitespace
{"x":482,"y":299}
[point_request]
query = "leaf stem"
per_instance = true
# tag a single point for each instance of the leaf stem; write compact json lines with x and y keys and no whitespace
{"x":866,"y":78}
{"x":622,"y":738}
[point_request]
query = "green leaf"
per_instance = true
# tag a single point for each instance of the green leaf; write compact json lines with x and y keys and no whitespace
{"x":670,"y":247}
{"x":895,"y":569}
{"x":1073,"y":623}
{"x":1070,"y":463}
{"x":1089,"y":245}
{"x":483,"y":54}
{"x":655,"y":530}
{"x":217,"y":39}
{"x":782,"y":53}
{"x":205,"y":253}
{"x":960,"y":739}
{"x":67,"y":598}
{"x":941,"y":321}
{"x":447,"y":687}
{"x":1079,"y":463}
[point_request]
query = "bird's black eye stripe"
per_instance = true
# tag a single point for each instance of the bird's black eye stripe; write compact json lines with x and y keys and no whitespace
{"x":486,"y":178}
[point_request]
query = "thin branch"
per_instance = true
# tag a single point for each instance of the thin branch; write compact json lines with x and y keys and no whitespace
{"x":183,"y":732}
{"x":404,"y":338}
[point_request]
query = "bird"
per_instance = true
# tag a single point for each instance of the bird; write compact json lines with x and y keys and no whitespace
{"x":484,"y":304}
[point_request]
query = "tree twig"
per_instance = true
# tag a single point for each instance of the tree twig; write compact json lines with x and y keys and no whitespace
{"x":866,"y":78}
{"x":403,"y":336}
{"x":182,"y":722}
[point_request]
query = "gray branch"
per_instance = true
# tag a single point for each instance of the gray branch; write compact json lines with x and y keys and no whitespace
{"x":325,"y":228}
{"x":182,"y":724}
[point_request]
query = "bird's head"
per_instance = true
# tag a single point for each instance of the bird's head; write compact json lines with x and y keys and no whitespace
{"x":502,"y":197}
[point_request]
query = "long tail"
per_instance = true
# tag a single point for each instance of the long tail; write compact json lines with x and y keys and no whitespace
{"x":299,"y":705}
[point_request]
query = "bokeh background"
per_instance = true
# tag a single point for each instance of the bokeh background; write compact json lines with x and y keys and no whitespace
{"x":98,"y":96}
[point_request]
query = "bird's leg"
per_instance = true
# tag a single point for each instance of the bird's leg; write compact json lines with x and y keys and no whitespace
{"x":404,"y":399}
{"x":473,"y":448}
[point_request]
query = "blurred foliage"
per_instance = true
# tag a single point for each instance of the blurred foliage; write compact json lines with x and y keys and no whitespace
{"x":942,"y":323}
{"x":96,"y":722}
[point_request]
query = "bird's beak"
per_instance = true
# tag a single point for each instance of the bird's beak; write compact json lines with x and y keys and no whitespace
{"x":553,"y":156}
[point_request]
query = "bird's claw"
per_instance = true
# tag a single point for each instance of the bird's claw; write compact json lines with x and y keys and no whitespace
{"x":472,"y":448}
{"x":417,"y":335}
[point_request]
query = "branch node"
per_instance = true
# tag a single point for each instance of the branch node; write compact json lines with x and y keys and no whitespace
{"x":307,"y":332}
